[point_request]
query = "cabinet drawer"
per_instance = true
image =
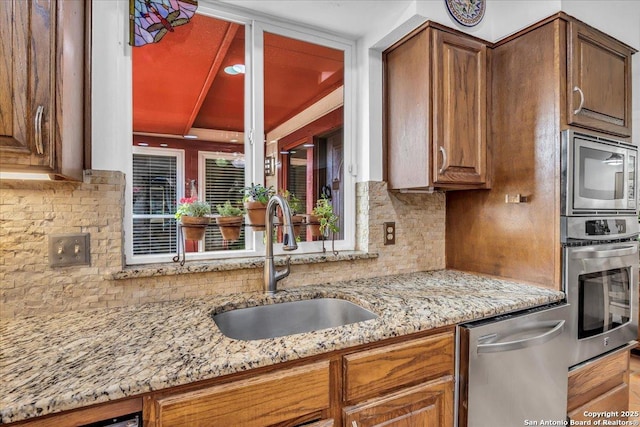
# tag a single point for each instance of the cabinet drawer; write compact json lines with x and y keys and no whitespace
{"x":616,"y":400}
{"x":369,"y":373}
{"x":592,"y":380}
{"x":261,"y":401}
{"x":429,"y":404}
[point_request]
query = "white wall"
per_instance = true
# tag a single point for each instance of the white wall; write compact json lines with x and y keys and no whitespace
{"x":111,"y":125}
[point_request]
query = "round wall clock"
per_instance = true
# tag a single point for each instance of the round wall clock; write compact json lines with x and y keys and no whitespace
{"x":466,"y":12}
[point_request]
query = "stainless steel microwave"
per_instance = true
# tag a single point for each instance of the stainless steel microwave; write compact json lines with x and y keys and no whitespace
{"x":598,"y":175}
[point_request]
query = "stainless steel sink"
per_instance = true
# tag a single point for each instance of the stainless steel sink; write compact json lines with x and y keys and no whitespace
{"x":288,"y":318}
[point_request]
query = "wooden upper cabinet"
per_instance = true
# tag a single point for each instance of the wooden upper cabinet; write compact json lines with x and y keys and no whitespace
{"x":459,"y":109}
{"x":42,"y":73}
{"x":599,"y":81}
{"x":436,"y":110}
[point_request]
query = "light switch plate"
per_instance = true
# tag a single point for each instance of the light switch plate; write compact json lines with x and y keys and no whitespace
{"x":69,"y":249}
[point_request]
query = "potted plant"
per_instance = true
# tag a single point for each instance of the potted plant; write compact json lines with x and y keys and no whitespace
{"x":255,"y":201}
{"x":229,"y":221}
{"x":322,"y":218}
{"x":192,"y":214}
{"x":295,"y":205}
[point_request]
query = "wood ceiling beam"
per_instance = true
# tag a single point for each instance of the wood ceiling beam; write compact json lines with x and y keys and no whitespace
{"x":213,"y":72}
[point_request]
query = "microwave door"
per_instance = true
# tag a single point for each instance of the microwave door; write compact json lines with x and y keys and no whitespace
{"x":599,"y":172}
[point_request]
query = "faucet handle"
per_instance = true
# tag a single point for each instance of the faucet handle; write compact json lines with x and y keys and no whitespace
{"x":281,"y":274}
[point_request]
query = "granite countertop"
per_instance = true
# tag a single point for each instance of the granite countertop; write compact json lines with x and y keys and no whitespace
{"x":54,"y":363}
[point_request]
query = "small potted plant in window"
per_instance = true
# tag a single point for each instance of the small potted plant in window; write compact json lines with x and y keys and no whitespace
{"x":295,"y":205}
{"x":193,"y":215}
{"x":255,"y":199}
{"x":322,"y":218}
{"x":229,"y":221}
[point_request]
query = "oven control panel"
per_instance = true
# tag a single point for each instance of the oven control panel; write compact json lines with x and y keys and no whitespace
{"x":576,"y":229}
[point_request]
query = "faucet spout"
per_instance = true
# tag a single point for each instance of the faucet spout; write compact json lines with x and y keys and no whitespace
{"x":271,"y":275}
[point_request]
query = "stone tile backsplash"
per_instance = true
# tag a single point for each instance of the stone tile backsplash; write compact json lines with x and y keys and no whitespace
{"x":31,"y":211}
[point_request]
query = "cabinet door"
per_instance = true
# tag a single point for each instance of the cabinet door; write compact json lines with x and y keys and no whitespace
{"x":408,"y":112}
{"x":277,"y":398}
{"x":426,"y":405}
{"x":27,"y":35}
{"x":459,"y":109}
{"x":599,"y":81}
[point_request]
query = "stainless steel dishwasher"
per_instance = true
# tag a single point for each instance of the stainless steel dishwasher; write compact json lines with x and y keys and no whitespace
{"x":513,"y":368}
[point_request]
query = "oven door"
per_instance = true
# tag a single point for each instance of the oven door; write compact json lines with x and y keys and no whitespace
{"x":602,"y":288}
{"x":600,"y":176}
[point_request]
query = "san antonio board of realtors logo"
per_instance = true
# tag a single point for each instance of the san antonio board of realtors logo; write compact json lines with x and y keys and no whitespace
{"x":466,"y":12}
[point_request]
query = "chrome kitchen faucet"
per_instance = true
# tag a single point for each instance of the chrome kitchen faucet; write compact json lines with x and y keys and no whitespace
{"x":271,"y":275}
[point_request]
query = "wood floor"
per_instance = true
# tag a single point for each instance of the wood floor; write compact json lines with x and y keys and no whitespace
{"x":634,"y":389}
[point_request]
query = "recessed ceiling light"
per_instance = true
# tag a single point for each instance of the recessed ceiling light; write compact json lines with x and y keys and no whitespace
{"x":142,"y":144}
{"x":233,"y":140}
{"x":164,"y":145}
{"x":307,"y":145}
{"x":190,"y":136}
{"x":284,"y":152}
{"x":235,"y":69}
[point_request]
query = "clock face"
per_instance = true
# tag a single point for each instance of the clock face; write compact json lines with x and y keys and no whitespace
{"x":466,"y":12}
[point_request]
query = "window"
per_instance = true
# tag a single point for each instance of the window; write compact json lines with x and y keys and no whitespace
{"x":229,"y":93}
{"x":155,"y":177}
{"x":223,"y":180}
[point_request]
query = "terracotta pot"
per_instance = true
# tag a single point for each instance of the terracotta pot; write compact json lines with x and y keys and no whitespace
{"x":194,"y":227}
{"x":313,"y":224}
{"x":256,"y":214}
{"x":230,"y":227}
{"x":297,"y":221}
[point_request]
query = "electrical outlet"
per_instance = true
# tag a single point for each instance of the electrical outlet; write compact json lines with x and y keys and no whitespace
{"x":69,"y":249}
{"x":389,"y":233}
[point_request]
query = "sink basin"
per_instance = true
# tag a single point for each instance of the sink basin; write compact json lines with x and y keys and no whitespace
{"x":288,"y":318}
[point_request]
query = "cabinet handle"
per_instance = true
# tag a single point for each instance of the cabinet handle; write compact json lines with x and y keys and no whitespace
{"x":577,"y":89}
{"x":444,"y":159}
{"x":38,"y":129}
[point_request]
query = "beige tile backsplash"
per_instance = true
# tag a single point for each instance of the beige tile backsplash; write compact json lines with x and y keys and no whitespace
{"x":31,"y":211}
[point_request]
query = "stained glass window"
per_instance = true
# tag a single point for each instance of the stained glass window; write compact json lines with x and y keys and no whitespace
{"x":150,"y":20}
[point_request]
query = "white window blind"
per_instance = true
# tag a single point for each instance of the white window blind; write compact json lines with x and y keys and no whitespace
{"x":154,"y":204}
{"x":224,"y":180}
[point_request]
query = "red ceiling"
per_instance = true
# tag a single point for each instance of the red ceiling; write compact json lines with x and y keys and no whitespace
{"x":180,"y":82}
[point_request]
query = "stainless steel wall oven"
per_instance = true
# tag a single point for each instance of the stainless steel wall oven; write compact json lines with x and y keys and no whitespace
{"x":601,"y":283}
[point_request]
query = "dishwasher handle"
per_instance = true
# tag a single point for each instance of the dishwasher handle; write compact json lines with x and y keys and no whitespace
{"x":558,"y":327}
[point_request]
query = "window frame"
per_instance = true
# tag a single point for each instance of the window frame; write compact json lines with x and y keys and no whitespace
{"x":160,"y":152}
{"x":255,"y":25}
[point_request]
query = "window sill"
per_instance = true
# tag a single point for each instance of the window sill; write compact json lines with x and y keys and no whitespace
{"x":156,"y":270}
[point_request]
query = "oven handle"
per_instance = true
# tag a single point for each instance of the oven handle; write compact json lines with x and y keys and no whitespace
{"x":526,"y":342}
{"x":604,"y":253}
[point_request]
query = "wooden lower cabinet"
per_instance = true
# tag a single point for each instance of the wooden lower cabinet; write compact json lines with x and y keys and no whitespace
{"x":425,"y":405}
{"x":600,"y":386}
{"x":405,"y":384}
{"x":407,"y":381}
{"x":279,"y":398}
